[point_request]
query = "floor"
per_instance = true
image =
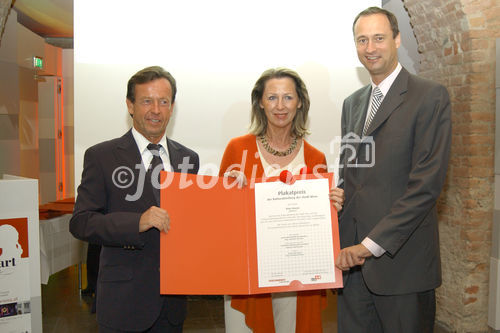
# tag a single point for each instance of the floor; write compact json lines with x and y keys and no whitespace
{"x":64,"y":310}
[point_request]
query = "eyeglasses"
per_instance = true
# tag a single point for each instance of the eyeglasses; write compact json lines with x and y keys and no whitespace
{"x":162,"y":102}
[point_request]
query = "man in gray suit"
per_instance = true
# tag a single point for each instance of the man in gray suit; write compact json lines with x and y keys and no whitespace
{"x":397,"y":136}
{"x":118,"y":208}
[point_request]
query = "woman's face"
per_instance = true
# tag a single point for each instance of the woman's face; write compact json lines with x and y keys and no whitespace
{"x":280,"y":102}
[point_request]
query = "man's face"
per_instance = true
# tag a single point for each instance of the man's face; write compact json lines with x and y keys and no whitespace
{"x":376,"y":47}
{"x":152,"y":108}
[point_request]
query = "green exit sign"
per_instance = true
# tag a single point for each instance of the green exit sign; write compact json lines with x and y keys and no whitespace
{"x":38,"y":62}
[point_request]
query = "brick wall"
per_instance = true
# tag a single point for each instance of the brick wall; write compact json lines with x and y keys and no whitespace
{"x":457,"y":44}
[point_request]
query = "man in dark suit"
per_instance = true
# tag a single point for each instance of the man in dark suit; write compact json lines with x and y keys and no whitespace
{"x":399,"y":127}
{"x":118,"y":207}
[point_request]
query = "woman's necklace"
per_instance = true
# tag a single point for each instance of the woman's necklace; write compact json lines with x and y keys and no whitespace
{"x":271,"y":151}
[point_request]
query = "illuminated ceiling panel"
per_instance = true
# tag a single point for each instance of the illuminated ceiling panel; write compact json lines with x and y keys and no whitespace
{"x":47,"y":18}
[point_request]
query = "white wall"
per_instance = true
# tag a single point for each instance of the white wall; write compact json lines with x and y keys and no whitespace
{"x":9,"y":99}
{"x":216,"y":50}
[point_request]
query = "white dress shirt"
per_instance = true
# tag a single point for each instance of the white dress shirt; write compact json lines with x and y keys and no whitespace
{"x":146,"y":155}
{"x":384,"y":87}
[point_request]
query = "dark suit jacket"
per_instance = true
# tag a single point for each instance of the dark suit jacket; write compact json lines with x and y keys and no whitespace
{"x":128,"y":295}
{"x":393,"y":202}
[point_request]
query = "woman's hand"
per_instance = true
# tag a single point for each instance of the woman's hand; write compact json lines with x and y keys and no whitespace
{"x":337,"y":197}
{"x":240,"y":177}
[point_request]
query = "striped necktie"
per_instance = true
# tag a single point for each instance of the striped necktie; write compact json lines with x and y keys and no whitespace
{"x":376,"y":100}
{"x":155,"y":162}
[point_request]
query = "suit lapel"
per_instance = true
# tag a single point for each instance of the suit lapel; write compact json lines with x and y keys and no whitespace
{"x":391,"y":102}
{"x":361,"y":108}
{"x":173,"y":155}
{"x":358,"y":117}
{"x":128,"y":155}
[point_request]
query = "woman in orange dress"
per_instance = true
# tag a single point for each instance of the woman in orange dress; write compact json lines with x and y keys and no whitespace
{"x":280,"y":105}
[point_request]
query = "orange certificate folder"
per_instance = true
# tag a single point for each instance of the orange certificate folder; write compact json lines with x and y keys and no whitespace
{"x":211,"y":247}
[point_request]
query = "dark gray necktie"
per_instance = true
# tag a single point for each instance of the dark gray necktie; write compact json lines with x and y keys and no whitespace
{"x":376,"y":101}
{"x":156,"y":164}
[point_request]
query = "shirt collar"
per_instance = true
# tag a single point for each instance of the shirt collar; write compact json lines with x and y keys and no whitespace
{"x":142,"y":142}
{"x":386,"y":84}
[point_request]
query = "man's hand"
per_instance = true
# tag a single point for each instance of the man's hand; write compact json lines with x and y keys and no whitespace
{"x":337,"y":197}
{"x":154,"y":217}
{"x":352,"y":256}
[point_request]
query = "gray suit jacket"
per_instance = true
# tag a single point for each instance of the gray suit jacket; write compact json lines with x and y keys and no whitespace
{"x":128,"y":288}
{"x":391,"y":192}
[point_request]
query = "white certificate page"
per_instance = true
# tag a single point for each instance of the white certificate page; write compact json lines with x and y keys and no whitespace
{"x":294,"y":233}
